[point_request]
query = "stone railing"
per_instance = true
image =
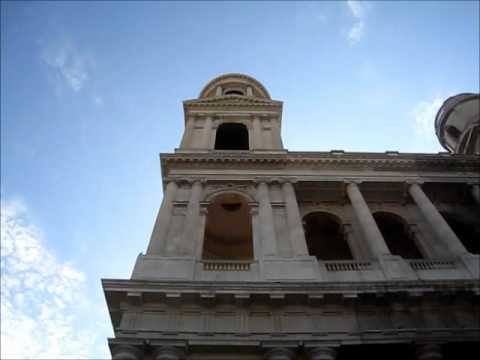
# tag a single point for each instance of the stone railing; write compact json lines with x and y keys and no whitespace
{"x":347,"y":265}
{"x":431,"y":264}
{"x":225,"y":265}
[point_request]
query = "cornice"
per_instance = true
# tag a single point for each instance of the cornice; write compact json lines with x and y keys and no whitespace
{"x":231,"y":100}
{"x":313,"y":160}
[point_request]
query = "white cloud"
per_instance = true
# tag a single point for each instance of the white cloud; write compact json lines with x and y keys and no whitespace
{"x":45,"y":309}
{"x":358,"y":10}
{"x":69,"y":64}
{"x":424,"y":117}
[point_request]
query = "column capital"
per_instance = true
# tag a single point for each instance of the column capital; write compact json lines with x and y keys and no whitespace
{"x":288,"y":180}
{"x":261,"y":180}
{"x":323,"y":353}
{"x":414,"y":182}
{"x":126,"y":352}
{"x":168,"y":353}
{"x":428,"y":351}
{"x":192,"y":181}
{"x":279,"y":354}
{"x":352,"y":181}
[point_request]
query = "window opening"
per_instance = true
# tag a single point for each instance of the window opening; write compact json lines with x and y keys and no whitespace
{"x":325,"y":238}
{"x":231,"y":136}
{"x":228,"y":230}
{"x":395,"y":232}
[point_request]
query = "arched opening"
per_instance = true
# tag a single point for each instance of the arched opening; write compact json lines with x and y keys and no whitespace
{"x":228,"y":231}
{"x":453,"y":131}
{"x":395,"y":232}
{"x":325,"y":239}
{"x":468,"y":233}
{"x":231,"y":136}
{"x":234,"y":92}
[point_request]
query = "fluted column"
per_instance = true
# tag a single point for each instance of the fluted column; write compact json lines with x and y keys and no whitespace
{"x":429,"y":352}
{"x":167,"y":353}
{"x":322,"y":353}
{"x":192,"y":219}
{"x":266,"y":222}
{"x":367,"y":223}
{"x":257,"y":133}
{"x":160,"y":230}
{"x":207,"y":130}
{"x":294,"y":221}
{"x":126,"y":352}
{"x":279,"y":354}
{"x":437,"y":223}
{"x":187,"y":135}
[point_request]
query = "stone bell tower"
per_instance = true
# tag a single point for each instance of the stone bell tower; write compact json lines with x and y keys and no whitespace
{"x":261,"y":253}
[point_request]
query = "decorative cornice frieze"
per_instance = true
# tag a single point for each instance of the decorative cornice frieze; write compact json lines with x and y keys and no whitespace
{"x":373,"y":162}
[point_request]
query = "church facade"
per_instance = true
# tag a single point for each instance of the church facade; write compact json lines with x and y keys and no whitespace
{"x":262,"y":253}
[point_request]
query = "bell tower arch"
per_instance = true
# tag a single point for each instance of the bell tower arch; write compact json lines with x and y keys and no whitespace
{"x":232,"y":112}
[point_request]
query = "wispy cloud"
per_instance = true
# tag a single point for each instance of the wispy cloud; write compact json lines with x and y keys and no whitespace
{"x":358,"y":10}
{"x":424,"y":116}
{"x":68,"y":64}
{"x":42,"y":298}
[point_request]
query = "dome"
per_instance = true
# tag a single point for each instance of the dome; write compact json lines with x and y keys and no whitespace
{"x":234,"y":84}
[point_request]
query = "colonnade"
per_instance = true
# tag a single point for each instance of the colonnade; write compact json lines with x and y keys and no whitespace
{"x":183,"y":245}
{"x":426,"y":351}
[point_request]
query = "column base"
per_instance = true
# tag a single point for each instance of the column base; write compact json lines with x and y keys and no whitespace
{"x":395,"y":267}
{"x":472,"y":263}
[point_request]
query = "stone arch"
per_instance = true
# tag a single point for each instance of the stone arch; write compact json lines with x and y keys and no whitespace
{"x":232,"y":136}
{"x":228,"y":230}
{"x":325,"y":236}
{"x":396,"y":233}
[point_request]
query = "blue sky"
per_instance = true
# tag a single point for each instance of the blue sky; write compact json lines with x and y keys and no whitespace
{"x":91,"y":93}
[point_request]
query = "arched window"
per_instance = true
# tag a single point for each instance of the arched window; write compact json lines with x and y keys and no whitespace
{"x":395,"y":232}
{"x":466,"y":231}
{"x":453,"y":131}
{"x":325,"y":239}
{"x":228,"y":232}
{"x":231,"y":136}
{"x":234,"y":92}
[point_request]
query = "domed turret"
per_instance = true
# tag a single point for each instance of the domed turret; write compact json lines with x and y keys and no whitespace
{"x":457,"y":124}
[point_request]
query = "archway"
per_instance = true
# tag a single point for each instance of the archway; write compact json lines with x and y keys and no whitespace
{"x":228,"y":231}
{"x":467,"y":232}
{"x":325,"y":239}
{"x":395,"y":232}
{"x":231,"y":136}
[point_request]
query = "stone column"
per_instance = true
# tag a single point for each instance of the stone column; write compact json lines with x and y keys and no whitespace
{"x":266,"y":222}
{"x":367,"y":223}
{"x":322,"y":353}
{"x":192,"y":219}
{"x":187,"y":135}
{"x":294,"y":221}
{"x":428,"y":352}
{"x":437,"y":223}
{"x":279,"y":354}
{"x":126,"y":352}
{"x":167,"y":353}
{"x":475,"y":189}
{"x":207,"y":130}
{"x":257,"y":133}
{"x":160,"y":230}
